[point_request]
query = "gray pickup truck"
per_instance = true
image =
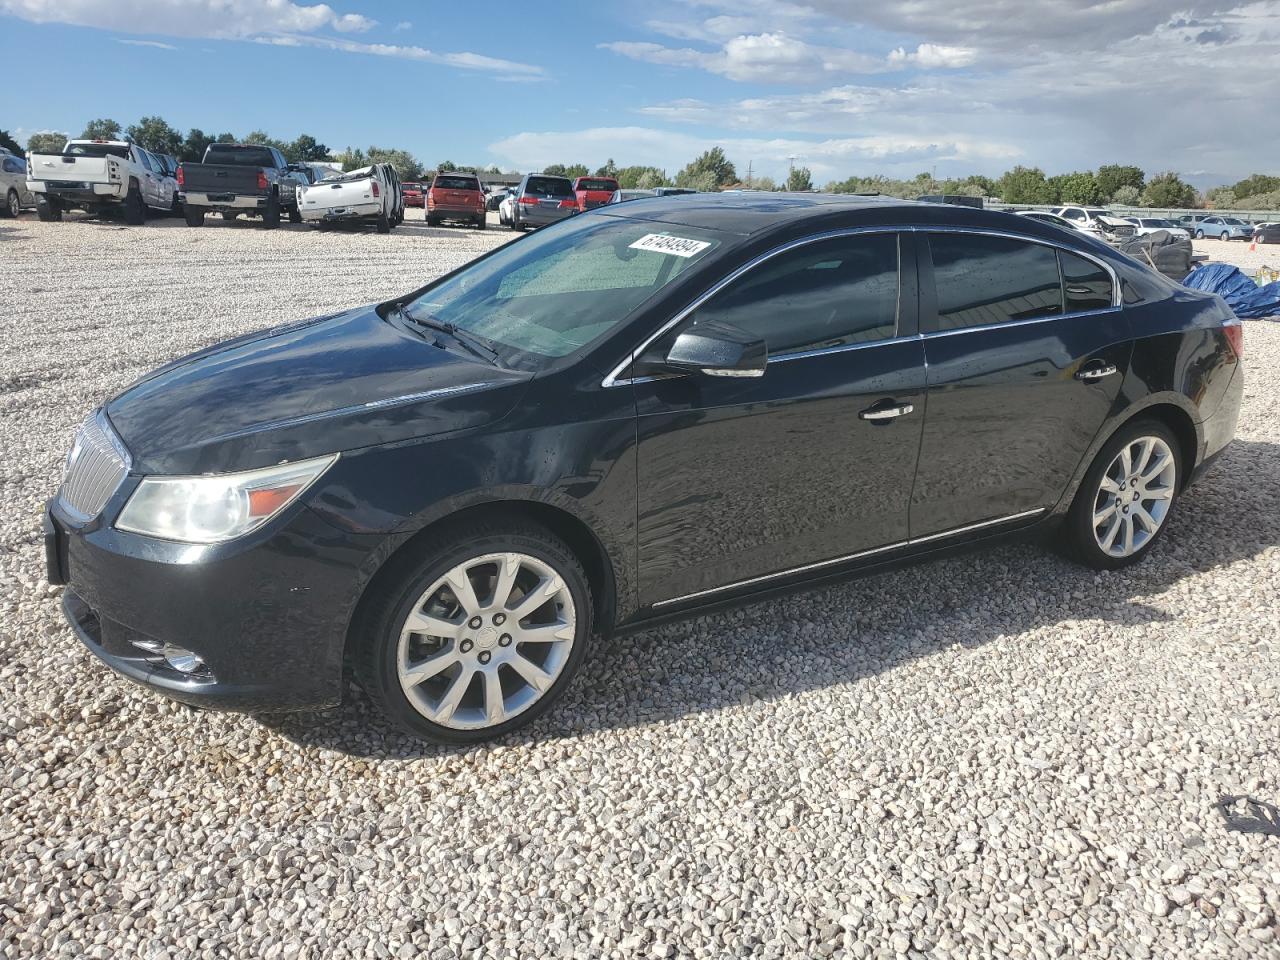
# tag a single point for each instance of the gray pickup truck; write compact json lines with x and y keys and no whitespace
{"x":238,"y":178}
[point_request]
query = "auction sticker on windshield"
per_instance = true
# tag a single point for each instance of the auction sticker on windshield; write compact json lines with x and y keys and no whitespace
{"x":665,"y":243}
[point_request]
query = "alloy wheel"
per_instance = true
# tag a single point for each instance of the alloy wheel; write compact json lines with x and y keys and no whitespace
{"x":15,"y":207}
{"x":486,"y":641}
{"x":1134,"y":496}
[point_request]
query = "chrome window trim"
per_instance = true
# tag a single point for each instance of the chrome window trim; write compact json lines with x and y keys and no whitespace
{"x":804,"y":568}
{"x":615,"y":378}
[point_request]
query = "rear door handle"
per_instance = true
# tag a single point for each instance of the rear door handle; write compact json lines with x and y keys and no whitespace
{"x":888,"y":412}
{"x":1096,"y":372}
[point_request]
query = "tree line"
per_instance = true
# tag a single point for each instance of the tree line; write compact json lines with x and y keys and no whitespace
{"x":1111,"y":183}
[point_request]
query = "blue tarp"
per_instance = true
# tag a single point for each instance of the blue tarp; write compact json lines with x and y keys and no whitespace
{"x":1246,"y":299}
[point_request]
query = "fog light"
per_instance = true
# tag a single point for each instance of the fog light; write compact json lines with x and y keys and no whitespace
{"x":181,"y":659}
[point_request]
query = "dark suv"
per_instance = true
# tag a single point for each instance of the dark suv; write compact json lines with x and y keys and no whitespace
{"x":542,"y":199}
{"x":646,"y":411}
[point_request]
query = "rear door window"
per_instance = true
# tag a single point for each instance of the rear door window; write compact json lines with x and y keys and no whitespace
{"x":457,"y":183}
{"x":1085,"y":284}
{"x":549,"y":187}
{"x":982,"y":280}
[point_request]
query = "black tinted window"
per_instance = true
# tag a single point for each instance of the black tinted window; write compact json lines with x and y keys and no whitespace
{"x":549,"y":187}
{"x":983,"y":280}
{"x":819,"y":295}
{"x":457,"y":183}
{"x":1086,"y":285}
{"x":247,"y":156}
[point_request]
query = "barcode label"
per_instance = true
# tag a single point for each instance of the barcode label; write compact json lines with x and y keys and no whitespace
{"x":665,"y":243}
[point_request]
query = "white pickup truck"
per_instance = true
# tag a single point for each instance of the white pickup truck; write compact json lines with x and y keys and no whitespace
{"x":371,"y":194}
{"x":96,"y":175}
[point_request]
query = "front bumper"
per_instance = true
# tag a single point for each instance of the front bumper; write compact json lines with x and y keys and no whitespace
{"x":267,"y":617}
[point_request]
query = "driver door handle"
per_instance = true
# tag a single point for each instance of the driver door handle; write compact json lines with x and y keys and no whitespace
{"x":887,"y":411}
{"x":1096,"y":371}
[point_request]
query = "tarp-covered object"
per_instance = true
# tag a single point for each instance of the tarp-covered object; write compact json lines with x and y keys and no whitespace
{"x":1169,"y":254}
{"x":1245,"y":298}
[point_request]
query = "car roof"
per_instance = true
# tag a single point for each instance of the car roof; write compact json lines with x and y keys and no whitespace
{"x":747,"y":214}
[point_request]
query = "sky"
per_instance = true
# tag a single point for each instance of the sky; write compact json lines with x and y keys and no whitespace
{"x":844,"y":88}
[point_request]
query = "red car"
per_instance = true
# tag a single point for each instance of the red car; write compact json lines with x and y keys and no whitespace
{"x":455,"y":196}
{"x":594,"y":191}
{"x":412,"y":193}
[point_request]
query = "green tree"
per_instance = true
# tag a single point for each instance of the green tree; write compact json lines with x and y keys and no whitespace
{"x":710,"y":171}
{"x":629,"y":178}
{"x":610,"y":169}
{"x":1127,"y":196}
{"x":152,"y":133}
{"x":9,"y":143}
{"x":306,"y":149}
{"x":1025,"y":185}
{"x":407,"y":165}
{"x":764,"y":183}
{"x":799,"y":180}
{"x":1168,"y":190}
{"x":1220,"y":198}
{"x":1255,"y":184}
{"x":566,"y":170}
{"x":1079,"y":188}
{"x":262,"y":138}
{"x":197,"y":141}
{"x":446,"y":166}
{"x":47,"y":142}
{"x":102,"y":129}
{"x":1113,"y":176}
{"x":353,"y":158}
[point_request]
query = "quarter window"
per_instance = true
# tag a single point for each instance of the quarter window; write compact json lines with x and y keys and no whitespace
{"x":1085,"y":285}
{"x":982,"y":280}
{"x":825,"y":294}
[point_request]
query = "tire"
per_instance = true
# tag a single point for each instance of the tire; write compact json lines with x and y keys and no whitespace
{"x":515,"y":224}
{"x":271,"y":213}
{"x":228,"y":215}
{"x":1199,"y":234}
{"x":295,"y":215}
{"x":49,"y":211}
{"x":482,"y":223}
{"x":384,"y":223}
{"x":12,"y":205}
{"x":175,"y":205}
{"x":433,"y":221}
{"x":194,"y":216}
{"x":135,"y":211}
{"x":1125,"y":503}
{"x":536,"y":556}
{"x":1225,"y":236}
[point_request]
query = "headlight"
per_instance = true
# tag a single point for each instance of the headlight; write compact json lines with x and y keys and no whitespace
{"x":216,"y":508}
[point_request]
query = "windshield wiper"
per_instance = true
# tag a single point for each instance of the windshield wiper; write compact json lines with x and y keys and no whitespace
{"x":473,"y":343}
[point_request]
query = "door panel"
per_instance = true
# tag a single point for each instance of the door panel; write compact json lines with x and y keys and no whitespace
{"x":743,"y":477}
{"x":1008,"y":421}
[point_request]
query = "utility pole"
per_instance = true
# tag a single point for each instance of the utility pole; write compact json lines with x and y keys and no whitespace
{"x":749,"y":163}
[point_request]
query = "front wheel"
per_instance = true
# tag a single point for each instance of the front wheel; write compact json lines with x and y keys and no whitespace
{"x":479,"y":635}
{"x":1199,"y":234}
{"x":1123,"y":505}
{"x":1225,"y":236}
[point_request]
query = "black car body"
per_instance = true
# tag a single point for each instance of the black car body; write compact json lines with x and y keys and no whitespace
{"x":1266,"y":233}
{"x":237,"y":178}
{"x":1009,"y":355}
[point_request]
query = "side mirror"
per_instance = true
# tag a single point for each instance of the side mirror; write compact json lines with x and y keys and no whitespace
{"x":717,"y":350}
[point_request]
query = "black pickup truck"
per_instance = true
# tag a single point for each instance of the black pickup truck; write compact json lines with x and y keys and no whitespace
{"x":238,"y":178}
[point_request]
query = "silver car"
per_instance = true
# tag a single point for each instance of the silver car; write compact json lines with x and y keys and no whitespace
{"x":1224,"y":228}
{"x":541,"y":199}
{"x":13,"y":185}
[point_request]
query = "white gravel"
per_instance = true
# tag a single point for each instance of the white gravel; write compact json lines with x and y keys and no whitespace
{"x":1001,"y":755}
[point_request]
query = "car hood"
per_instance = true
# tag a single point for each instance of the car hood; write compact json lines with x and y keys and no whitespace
{"x":330,"y":384}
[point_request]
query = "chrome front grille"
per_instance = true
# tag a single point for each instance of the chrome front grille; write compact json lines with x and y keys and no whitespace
{"x":96,"y":466}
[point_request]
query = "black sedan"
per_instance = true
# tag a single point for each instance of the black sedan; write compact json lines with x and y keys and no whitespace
{"x":642,"y":412}
{"x":1266,"y":233}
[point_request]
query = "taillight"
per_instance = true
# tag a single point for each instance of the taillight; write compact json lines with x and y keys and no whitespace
{"x":532,"y":201}
{"x":1234,"y":330}
{"x":262,"y":180}
{"x":374,"y":185}
{"x":431,"y":194}
{"x":182,"y":177}
{"x":568,"y":203}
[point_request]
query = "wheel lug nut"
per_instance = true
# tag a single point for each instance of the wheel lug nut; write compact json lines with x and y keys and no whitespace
{"x":466,"y":646}
{"x":499,"y":618}
{"x":484,"y":656}
{"x":504,"y":640}
{"x":474,"y":623}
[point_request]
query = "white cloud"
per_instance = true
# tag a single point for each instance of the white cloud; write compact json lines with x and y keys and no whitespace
{"x":403,"y":25}
{"x":147,"y":43}
{"x":505,"y":69}
{"x":764,"y":57}
{"x":190,"y":18}
{"x":934,"y":55}
{"x":826,"y":158}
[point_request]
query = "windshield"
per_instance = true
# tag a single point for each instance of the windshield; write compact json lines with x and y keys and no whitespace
{"x":557,"y":290}
{"x":1233,"y":221}
{"x":239,"y":156}
{"x":586,"y":183}
{"x":95,"y":150}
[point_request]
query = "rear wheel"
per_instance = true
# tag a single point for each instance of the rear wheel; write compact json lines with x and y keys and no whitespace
{"x":194,"y":216}
{"x":1124,"y":503}
{"x":482,"y":222}
{"x":48,"y":210}
{"x":271,"y":213}
{"x":12,"y":205}
{"x":384,"y":223}
{"x":433,"y":221}
{"x":477,"y":637}
{"x":135,"y":211}
{"x":295,"y":215}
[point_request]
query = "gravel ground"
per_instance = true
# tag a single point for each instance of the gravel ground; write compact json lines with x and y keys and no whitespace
{"x":998,"y":755}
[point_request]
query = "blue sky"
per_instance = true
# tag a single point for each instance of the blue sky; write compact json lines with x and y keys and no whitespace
{"x":955,"y":86}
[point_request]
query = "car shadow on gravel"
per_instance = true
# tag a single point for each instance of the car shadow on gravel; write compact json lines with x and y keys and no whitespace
{"x":840,"y":634}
